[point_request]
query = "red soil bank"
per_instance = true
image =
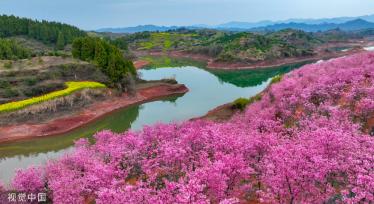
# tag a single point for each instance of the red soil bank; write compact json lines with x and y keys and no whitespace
{"x":89,"y":114}
{"x":140,"y":64}
{"x":219,"y":114}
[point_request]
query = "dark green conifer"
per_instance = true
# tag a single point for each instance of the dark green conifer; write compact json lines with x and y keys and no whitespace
{"x":60,"y":44}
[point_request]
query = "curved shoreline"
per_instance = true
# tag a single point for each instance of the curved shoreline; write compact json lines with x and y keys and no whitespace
{"x":90,"y":114}
{"x":211,"y":64}
{"x":221,"y":113}
{"x":100,"y":109}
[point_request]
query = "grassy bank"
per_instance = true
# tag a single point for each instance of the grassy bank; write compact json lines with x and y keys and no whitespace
{"x":71,"y":88}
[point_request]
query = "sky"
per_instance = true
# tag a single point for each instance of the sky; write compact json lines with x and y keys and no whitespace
{"x":95,"y":14}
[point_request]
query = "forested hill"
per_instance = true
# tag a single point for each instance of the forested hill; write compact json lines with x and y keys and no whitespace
{"x":55,"y":33}
{"x":229,"y":46}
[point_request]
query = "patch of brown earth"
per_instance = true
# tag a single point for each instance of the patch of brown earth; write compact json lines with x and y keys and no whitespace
{"x":140,"y":63}
{"x":220,"y":114}
{"x":370,"y":125}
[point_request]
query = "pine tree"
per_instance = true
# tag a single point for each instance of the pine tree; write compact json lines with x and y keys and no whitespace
{"x":44,"y":35}
{"x":88,"y":49}
{"x":47,"y":32}
{"x":101,"y":57}
{"x":108,"y":57}
{"x":11,"y":50}
{"x":77,"y":48}
{"x":110,"y":70}
{"x":60,"y":41}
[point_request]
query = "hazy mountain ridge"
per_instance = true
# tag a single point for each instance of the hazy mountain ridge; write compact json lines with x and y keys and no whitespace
{"x":353,"y":25}
{"x":140,"y":28}
{"x":304,"y":24}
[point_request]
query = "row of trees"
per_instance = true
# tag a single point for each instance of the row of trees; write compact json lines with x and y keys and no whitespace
{"x":121,"y":43}
{"x":55,"y":33}
{"x":11,"y":50}
{"x":108,"y":57}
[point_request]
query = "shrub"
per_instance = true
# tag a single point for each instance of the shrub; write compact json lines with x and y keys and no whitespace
{"x":9,"y":93}
{"x":43,"y":89}
{"x":4,"y":84}
{"x":71,"y":87}
{"x":240,"y":103}
{"x":30,"y":81}
{"x":11,"y":50}
{"x":8,"y":64}
{"x":29,"y":181}
{"x":276,"y":79}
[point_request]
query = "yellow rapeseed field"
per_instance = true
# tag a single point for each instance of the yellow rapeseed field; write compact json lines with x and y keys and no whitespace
{"x":71,"y":88}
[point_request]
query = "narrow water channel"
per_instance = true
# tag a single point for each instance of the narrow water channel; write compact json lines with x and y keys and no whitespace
{"x":208,"y":89}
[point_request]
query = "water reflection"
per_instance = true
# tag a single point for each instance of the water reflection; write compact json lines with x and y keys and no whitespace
{"x":246,"y":78}
{"x":208,"y":89}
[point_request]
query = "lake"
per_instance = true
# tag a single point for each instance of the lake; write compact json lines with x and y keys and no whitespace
{"x":208,"y":89}
{"x":370,"y":48}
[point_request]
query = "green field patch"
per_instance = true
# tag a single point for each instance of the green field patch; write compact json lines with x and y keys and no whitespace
{"x":164,"y":41}
{"x":168,"y":62}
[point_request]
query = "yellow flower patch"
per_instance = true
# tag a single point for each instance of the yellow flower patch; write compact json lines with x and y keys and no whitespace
{"x":71,"y":88}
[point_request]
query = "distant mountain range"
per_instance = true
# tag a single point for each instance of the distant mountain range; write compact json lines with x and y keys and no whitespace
{"x":311,"y":25}
{"x":247,"y":26}
{"x":242,"y":25}
{"x":352,"y":25}
{"x":140,"y":28}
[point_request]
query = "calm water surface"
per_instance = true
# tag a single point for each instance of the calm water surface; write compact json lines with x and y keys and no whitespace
{"x":208,"y":89}
{"x":370,"y":48}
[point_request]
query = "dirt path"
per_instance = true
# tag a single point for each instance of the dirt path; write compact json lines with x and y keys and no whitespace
{"x":88,"y":115}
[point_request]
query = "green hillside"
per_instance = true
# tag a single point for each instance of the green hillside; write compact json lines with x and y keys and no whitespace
{"x":238,"y":46}
{"x":57,"y":34}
